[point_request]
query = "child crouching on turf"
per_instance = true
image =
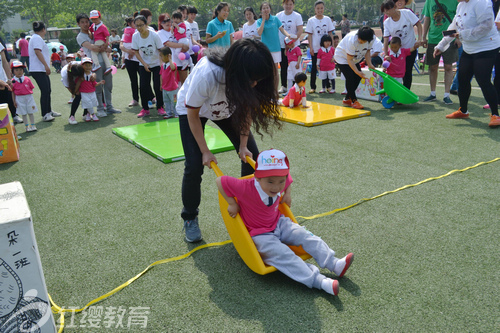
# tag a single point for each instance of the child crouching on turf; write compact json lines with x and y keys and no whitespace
{"x":296,"y":94}
{"x":326,"y":64}
{"x":22,"y":95}
{"x":258,"y":200}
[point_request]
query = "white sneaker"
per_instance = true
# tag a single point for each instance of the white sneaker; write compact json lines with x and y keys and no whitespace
{"x":322,"y":91}
{"x":72,"y":120}
{"x":94,"y":117}
{"x":70,"y":101}
{"x":55,"y":114}
{"x":282,"y":90}
{"x":48,"y":117}
{"x":87,"y":117}
{"x":332,"y":91}
{"x":33,"y":128}
{"x":101,"y":113}
{"x":343,"y":264}
{"x":17,"y":119}
{"x":133,"y":103}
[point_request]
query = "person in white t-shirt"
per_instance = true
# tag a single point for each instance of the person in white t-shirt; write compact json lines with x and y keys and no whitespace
{"x":317,"y":26}
{"x":376,"y":52}
{"x":475,"y":27}
{"x":146,"y":45}
{"x":355,"y":46}
{"x":250,"y":27}
{"x":194,"y":31}
{"x":234,"y":89}
{"x":40,"y":70}
{"x":293,"y":24}
{"x":400,"y":23}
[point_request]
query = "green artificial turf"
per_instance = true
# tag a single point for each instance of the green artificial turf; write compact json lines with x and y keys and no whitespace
{"x":426,"y":258}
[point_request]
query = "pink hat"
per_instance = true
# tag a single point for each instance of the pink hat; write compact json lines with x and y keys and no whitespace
{"x":271,"y":163}
{"x":95,"y":14}
{"x":17,"y":64}
{"x":61,"y":47}
{"x":86,"y":59}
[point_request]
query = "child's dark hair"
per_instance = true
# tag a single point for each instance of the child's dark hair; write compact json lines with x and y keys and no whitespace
{"x":165,"y":51}
{"x":335,"y":37}
{"x":325,"y":38}
{"x":192,"y":10}
{"x":182,"y":8}
{"x":74,"y":71}
{"x":395,"y":40}
{"x":219,"y":8}
{"x":366,"y":33}
{"x":387,"y":4}
{"x":204,"y":43}
{"x":128,"y":21}
{"x":54,"y":50}
{"x":38,"y":26}
{"x":177,"y":15}
{"x":145,"y":12}
{"x":81,"y":16}
{"x":245,"y":62}
{"x":250,"y":9}
{"x":300,"y":77}
{"x":319,"y":2}
{"x":266,"y":3}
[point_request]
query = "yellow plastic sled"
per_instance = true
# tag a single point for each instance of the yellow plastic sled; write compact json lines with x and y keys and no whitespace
{"x":241,"y":238}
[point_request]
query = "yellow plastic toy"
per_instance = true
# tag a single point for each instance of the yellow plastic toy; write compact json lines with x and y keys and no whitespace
{"x":241,"y":238}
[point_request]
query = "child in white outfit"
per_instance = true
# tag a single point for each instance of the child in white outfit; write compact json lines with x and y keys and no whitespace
{"x":258,"y":200}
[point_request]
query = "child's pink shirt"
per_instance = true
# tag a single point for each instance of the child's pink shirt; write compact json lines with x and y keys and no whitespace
{"x":177,"y":34}
{"x":128,"y":32}
{"x":398,"y":63}
{"x":87,"y":86}
{"x":257,"y":216}
{"x":297,"y":93}
{"x":326,"y":56}
{"x":293,"y":54}
{"x":25,"y":88}
{"x":101,"y":33}
{"x":169,"y":80}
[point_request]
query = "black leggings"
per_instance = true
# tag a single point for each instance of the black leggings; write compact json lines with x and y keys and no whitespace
{"x":132,"y":70}
{"x":43,"y":82}
{"x":146,"y":92}
{"x":75,"y":104}
{"x":496,"y":81}
{"x":314,"y":70}
{"x":479,"y":65}
{"x":284,"y":68}
{"x":351,"y":80}
{"x":410,"y":61}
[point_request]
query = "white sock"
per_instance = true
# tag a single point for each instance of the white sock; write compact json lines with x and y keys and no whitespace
{"x":433,"y":93}
{"x":446,"y":95}
{"x":327,"y":285}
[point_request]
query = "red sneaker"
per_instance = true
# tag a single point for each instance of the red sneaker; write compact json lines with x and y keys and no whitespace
{"x":357,"y":105}
{"x":458,"y":114}
{"x":494,"y":120}
{"x":347,"y":102}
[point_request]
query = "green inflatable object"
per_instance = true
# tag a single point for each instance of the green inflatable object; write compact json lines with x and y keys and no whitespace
{"x":395,"y":91}
{"x":162,"y":139}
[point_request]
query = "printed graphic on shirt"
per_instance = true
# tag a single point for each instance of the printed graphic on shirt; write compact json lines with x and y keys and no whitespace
{"x":219,"y":109}
{"x":439,"y":15}
{"x":147,"y":50}
{"x":402,"y":33}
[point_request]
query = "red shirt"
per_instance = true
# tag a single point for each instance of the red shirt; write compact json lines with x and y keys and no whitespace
{"x":55,"y":57}
{"x":398,"y":64}
{"x":25,"y":88}
{"x":257,"y":216}
{"x":296,"y":93}
{"x":23,"y":46}
{"x":169,"y":81}
{"x":100,"y":33}
{"x":87,"y":86}
{"x":326,"y":55}
{"x":293,"y":54}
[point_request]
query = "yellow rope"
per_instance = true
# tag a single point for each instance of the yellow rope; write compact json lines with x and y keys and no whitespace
{"x":57,"y":309}
{"x":396,"y":190}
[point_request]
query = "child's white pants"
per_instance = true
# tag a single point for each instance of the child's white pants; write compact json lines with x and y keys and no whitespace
{"x":273,"y":248}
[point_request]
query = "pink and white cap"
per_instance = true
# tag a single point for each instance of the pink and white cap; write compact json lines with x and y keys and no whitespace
{"x":271,"y":163}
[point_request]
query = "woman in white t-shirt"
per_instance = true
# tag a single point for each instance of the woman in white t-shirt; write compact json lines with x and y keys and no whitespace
{"x":250,"y":27}
{"x":146,"y":45}
{"x":40,"y":70}
{"x":400,"y":23}
{"x":293,"y":24}
{"x":234,"y":89}
{"x":475,"y":28}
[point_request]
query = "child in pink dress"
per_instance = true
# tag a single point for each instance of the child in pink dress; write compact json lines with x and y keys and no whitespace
{"x":101,"y":37}
{"x":326,"y":64}
{"x":87,"y":90}
{"x":22,"y":95}
{"x":257,"y":203}
{"x":294,"y":55}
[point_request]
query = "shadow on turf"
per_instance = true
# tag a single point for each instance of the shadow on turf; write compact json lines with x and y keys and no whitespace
{"x":275,"y":300}
{"x":84,"y":126}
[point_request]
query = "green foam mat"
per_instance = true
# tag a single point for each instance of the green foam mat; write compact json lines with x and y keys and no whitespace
{"x":162,"y":139}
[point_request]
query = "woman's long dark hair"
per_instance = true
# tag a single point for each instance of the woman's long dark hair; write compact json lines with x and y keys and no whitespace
{"x":248,"y":61}
{"x":74,"y":71}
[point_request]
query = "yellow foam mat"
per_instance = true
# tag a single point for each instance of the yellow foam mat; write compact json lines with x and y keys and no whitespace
{"x":318,"y":114}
